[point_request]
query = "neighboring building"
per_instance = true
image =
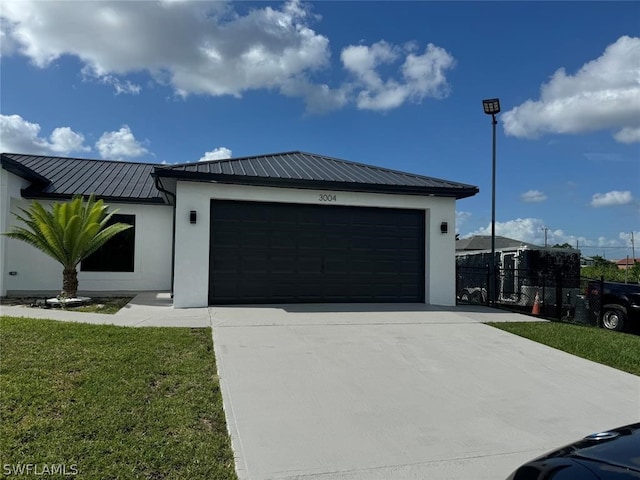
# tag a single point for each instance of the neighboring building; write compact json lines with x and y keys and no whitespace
{"x":523,"y":270}
{"x":587,"y":261}
{"x":627,"y":263}
{"x":284,"y":228}
{"x":483,"y":242}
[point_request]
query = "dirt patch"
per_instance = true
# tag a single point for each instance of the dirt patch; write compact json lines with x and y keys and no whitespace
{"x":108,"y":305}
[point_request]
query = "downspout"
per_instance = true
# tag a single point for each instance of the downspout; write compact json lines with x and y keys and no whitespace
{"x":173,"y":237}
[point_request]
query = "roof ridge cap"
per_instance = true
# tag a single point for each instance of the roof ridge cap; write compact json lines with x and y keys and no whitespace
{"x":247,"y":157}
{"x":335,"y":159}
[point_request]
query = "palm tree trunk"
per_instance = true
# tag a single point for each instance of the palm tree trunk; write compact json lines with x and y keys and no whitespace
{"x":69,"y":283}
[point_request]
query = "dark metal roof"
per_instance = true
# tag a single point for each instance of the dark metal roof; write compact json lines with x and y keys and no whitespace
{"x":118,"y":181}
{"x":308,"y":170}
{"x":61,"y":177}
{"x":483,"y":242}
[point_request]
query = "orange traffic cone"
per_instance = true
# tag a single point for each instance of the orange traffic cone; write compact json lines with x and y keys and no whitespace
{"x":536,"y":305}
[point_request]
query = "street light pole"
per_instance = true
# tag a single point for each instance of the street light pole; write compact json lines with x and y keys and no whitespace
{"x":492,"y":107}
{"x":494,"y":122}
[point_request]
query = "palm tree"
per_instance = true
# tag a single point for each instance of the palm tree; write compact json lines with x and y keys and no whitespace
{"x":69,"y":233}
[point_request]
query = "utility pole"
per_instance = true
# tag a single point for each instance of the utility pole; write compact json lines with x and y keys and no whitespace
{"x":633,"y":251}
{"x":546,"y":229}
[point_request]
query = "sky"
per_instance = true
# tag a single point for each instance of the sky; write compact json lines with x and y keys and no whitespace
{"x":393,"y":84}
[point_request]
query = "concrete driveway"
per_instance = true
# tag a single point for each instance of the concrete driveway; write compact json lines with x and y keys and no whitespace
{"x":368,"y":392}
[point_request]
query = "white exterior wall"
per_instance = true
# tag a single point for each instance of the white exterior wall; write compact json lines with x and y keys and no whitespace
{"x":10,"y":186}
{"x":37,"y":272}
{"x":191,"y":277}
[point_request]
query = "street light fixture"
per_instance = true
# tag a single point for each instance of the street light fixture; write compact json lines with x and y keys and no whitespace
{"x":492,"y":107}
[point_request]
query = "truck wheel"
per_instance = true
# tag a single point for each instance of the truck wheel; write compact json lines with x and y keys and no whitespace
{"x":476,"y":297}
{"x":613,"y":319}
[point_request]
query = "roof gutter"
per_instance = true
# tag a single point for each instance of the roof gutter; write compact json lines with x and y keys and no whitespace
{"x":457,"y":192}
{"x":161,"y":188}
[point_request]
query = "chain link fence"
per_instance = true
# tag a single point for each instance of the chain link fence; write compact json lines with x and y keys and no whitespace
{"x":556,"y":294}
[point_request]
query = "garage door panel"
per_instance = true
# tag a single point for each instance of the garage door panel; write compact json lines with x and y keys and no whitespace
{"x":284,"y":253}
{"x":282,"y":240}
{"x":340,"y":221}
{"x":311,"y":241}
{"x":338,"y":265}
{"x":283,"y":264}
{"x":283,"y":218}
{"x":251,"y":241}
{"x":227,"y":237}
{"x":225,"y":263}
{"x":225,"y":289}
{"x":255,"y":215}
{"x":310,"y":266}
{"x":336,"y":241}
{"x":255,"y":264}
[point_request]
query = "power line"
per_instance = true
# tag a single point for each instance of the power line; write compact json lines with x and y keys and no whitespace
{"x":597,"y":247}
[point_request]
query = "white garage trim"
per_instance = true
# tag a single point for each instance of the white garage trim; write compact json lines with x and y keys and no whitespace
{"x":192,"y":240}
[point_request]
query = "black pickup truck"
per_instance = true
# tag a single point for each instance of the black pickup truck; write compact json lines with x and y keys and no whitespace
{"x":615,"y":306}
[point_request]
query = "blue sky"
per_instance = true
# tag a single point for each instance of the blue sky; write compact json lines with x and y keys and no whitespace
{"x":394,"y":84}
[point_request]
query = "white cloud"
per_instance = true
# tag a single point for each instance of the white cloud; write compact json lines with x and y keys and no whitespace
{"x":530,"y":230}
{"x":523,"y":229}
{"x":214,"y":50}
{"x":120,"y":144}
{"x":612,"y":248}
{"x":461,"y":218}
{"x":604,"y":157}
{"x":65,"y":140}
{"x":627,"y":237}
{"x":533,"y":196}
{"x":603,"y":95}
{"x":628,"y":134}
{"x":7,"y":44}
{"x":126,"y":87}
{"x":319,"y":98}
{"x":423,"y":75}
{"x":21,"y":136}
{"x":219,"y":153}
{"x":211,"y":49}
{"x":611,"y":198}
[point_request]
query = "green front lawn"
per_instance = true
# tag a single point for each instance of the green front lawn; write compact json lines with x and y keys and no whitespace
{"x":618,"y":350}
{"x":112,"y":402}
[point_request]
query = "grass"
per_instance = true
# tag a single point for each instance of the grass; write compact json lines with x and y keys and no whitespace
{"x":115,"y":402}
{"x":617,"y":350}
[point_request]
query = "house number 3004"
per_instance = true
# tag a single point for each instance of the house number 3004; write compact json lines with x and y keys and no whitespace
{"x":326,"y":198}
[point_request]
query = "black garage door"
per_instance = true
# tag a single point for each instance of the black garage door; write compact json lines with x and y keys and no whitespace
{"x":286,"y":253}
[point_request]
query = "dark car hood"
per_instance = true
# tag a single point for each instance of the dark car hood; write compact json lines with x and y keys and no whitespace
{"x":622,"y":449}
{"x":614,"y":454}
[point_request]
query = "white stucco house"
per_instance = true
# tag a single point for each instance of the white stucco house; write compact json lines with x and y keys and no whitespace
{"x":291,"y":227}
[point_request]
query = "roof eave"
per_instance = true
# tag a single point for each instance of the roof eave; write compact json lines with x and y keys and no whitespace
{"x":34,"y":194}
{"x":20,"y":170}
{"x":458,"y":193}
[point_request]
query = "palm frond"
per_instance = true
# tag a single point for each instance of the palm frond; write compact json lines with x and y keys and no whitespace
{"x":68,"y":232}
{"x":105,"y":235}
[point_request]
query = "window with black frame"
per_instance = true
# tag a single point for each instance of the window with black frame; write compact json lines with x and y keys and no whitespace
{"x":118,"y":254}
